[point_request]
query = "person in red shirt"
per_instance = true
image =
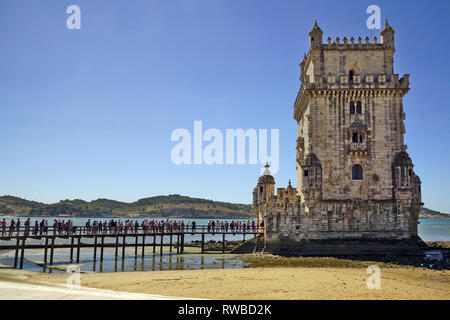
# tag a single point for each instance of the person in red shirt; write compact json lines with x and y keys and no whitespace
{"x":3,"y":227}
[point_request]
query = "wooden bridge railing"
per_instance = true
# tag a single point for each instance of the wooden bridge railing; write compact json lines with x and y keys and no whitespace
{"x":33,"y":231}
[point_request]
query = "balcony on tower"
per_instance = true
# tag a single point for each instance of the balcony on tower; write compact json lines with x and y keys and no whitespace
{"x":357,"y":137}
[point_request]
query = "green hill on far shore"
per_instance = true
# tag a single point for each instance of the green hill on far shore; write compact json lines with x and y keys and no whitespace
{"x":428,"y":213}
{"x":173,"y":206}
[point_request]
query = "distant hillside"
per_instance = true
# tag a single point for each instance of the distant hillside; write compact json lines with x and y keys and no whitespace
{"x":428,"y":213}
{"x":174,"y":206}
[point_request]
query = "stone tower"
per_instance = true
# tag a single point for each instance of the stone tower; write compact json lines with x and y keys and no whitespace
{"x":350,"y":117}
{"x":355,"y":180}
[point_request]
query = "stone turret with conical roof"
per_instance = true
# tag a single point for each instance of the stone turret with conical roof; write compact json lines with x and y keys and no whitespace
{"x":315,"y":36}
{"x":387,"y":35}
{"x":264,"y":191}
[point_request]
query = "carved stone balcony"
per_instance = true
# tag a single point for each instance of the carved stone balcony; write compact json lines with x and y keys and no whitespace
{"x":358,"y":147}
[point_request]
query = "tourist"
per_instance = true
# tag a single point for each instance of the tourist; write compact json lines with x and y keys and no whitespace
{"x":88,"y":226}
{"x":3,"y":227}
{"x":36,"y":228}
{"x":18,"y":226}
{"x":12,"y":226}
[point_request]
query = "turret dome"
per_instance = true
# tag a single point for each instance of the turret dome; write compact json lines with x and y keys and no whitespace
{"x":402,"y":159}
{"x":266,"y":176}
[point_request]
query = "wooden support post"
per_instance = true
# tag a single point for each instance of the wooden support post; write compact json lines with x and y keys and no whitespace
{"x":78,"y":248}
{"x":182,"y":243}
{"x":101,"y":249}
{"x":136,"y":247}
{"x":117,"y":247}
{"x":71,"y":249}
{"x":95,"y":249}
{"x":46,"y":249}
{"x":223,"y":243}
{"x":154,"y":242}
{"x":203,"y":243}
{"x":143,"y":245}
{"x":161,"y":245}
{"x":171,"y":243}
{"x":123,"y":248}
{"x":16,"y":256}
{"x":178,"y":243}
{"x":22,"y":252}
{"x":52,"y":249}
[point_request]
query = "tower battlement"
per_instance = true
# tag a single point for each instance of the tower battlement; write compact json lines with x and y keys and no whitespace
{"x":386,"y":40}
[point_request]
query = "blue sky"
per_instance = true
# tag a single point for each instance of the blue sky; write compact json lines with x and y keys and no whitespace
{"x":89,"y":113}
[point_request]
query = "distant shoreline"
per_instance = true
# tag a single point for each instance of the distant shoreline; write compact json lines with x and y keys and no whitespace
{"x":171,"y":218}
{"x":126,"y":217}
{"x":434,"y":217}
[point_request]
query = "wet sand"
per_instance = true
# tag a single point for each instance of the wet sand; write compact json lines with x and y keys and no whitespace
{"x":285,"y":278}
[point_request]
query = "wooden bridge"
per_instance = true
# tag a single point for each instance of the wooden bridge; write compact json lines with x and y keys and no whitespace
{"x":176,"y":236}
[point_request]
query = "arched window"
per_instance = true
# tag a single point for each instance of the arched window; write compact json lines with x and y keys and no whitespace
{"x":357,"y":172}
{"x":350,"y":76}
{"x":355,"y":137}
{"x":358,"y":107}
{"x":352,"y":107}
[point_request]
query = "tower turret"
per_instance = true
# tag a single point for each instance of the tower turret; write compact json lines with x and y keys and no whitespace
{"x":264,"y":191}
{"x":406,"y":182}
{"x":315,"y":37}
{"x":387,"y":35}
{"x":312,"y":177}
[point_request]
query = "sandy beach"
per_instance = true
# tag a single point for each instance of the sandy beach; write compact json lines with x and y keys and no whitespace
{"x":286,"y":278}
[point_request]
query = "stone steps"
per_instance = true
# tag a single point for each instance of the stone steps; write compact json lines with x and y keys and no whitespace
{"x":253,"y":245}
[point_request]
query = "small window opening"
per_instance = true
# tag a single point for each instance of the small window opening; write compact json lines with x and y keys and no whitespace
{"x":352,"y":107}
{"x":358,"y":107}
{"x":350,"y":76}
{"x":357,"y":172}
{"x":305,"y":173}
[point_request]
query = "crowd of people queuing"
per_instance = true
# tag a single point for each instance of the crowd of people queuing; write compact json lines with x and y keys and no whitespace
{"x":66,"y":227}
{"x":233,"y":226}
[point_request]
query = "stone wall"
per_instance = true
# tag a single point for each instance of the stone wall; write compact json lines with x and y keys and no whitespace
{"x":342,"y":220}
